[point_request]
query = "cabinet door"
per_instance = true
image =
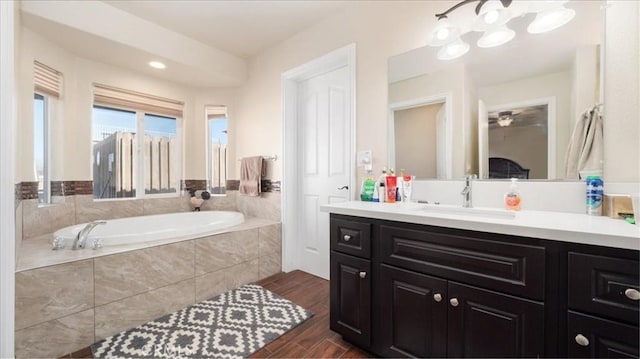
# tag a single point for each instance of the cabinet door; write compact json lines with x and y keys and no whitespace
{"x":350,"y":287}
{"x":413,"y":319}
{"x":591,"y":337}
{"x":483,"y":323}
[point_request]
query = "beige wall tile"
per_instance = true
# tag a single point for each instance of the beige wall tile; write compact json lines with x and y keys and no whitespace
{"x":139,"y":309}
{"x":221,"y":203}
{"x":47,"y":219}
{"x":165,"y":205}
{"x":56,"y":337}
{"x":52,"y":292}
{"x":266,"y":206}
{"x":125,"y":274}
{"x":242,"y":274}
{"x":224,"y":250}
{"x":270,"y":239}
{"x":88,"y":210}
{"x":211,"y":284}
{"x":270,"y":264}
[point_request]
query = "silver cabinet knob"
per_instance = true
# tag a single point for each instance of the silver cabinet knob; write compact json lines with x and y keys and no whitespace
{"x":454,"y":302}
{"x":437,"y":297}
{"x":363,"y":274}
{"x":632,"y":294}
{"x":346,"y":237}
{"x":582,"y":340}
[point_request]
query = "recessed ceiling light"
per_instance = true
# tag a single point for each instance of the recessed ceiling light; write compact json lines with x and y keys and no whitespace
{"x":157,"y":65}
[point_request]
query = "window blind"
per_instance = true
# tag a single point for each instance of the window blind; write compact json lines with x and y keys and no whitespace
{"x":108,"y":96}
{"x":213,"y":111}
{"x":47,"y":80}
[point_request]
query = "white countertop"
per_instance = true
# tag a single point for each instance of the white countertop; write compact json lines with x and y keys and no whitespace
{"x":558,"y":226}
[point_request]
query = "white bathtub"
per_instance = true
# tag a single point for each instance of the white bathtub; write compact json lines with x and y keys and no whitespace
{"x":152,"y":228}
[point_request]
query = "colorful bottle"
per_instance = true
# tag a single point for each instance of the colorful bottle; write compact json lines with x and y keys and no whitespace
{"x":382,"y":193}
{"x":512,"y":198}
{"x":595,"y":190}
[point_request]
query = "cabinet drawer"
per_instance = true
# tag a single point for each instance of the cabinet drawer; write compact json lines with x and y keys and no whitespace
{"x":603,"y":286}
{"x":591,"y":337}
{"x":351,"y":237}
{"x":508,"y":267}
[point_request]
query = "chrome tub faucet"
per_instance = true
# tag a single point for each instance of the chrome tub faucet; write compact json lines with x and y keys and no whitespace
{"x":466,"y":191}
{"x":82,"y":236}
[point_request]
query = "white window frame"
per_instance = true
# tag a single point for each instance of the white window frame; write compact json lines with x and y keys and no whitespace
{"x":138,"y":166}
{"x":209,"y":174}
{"x":50,"y":105}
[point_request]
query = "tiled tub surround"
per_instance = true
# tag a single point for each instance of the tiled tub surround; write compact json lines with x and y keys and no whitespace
{"x":67,"y":306}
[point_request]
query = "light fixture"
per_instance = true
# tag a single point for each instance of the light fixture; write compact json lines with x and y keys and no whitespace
{"x":493,"y":16}
{"x":443,"y":33}
{"x":551,"y":19}
{"x":453,"y":50}
{"x":496,"y":37}
{"x":504,"y":119}
{"x":157,"y":65}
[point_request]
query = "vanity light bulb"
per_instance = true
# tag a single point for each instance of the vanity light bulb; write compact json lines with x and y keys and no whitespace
{"x":551,"y":19}
{"x":442,"y":33}
{"x":491,"y":17}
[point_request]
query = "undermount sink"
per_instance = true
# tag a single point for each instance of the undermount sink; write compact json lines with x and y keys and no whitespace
{"x":476,"y":212}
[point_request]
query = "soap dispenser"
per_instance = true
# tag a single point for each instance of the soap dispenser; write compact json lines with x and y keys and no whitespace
{"x":512,"y":198}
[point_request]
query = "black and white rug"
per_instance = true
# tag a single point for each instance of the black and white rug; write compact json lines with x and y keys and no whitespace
{"x":232,"y":325}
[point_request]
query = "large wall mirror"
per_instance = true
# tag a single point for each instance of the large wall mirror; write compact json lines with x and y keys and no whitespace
{"x":510,"y":110}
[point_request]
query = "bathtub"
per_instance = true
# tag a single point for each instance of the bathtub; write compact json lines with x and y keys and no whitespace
{"x":142,"y":229}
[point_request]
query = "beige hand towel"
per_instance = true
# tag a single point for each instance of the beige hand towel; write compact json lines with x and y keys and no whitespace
{"x":250,"y":175}
{"x":585,"y":150}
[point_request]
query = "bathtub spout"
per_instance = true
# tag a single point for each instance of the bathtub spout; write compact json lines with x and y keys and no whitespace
{"x":82,"y":236}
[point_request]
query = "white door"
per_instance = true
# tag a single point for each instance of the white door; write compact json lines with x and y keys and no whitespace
{"x":441,"y":148}
{"x":483,"y":140}
{"x":324,"y":135}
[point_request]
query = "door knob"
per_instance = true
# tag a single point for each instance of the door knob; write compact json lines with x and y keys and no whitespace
{"x":437,"y":297}
{"x":454,"y":302}
{"x":346,"y":237}
{"x":582,"y":340}
{"x":343,"y":187}
{"x":363,"y":274}
{"x":632,"y":294}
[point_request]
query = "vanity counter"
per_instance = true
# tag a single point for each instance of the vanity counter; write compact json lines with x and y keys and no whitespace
{"x":558,"y":226}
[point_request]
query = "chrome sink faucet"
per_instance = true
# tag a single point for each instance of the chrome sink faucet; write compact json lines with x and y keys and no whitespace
{"x":82,"y":236}
{"x":466,"y":191}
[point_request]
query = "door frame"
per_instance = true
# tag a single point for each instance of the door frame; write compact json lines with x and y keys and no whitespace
{"x":446,"y":98}
{"x":291,"y":79}
{"x":7,"y":176}
{"x":551,"y":127}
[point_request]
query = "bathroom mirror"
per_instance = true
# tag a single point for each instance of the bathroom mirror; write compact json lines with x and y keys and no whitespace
{"x":558,"y":70}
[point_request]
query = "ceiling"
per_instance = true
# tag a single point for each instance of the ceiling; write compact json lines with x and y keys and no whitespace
{"x":203,"y":43}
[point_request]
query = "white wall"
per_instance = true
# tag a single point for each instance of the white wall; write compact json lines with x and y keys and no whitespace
{"x":415,"y":140}
{"x":586,"y":80}
{"x":556,"y":85}
{"x":621,"y":92}
{"x":72,"y":130}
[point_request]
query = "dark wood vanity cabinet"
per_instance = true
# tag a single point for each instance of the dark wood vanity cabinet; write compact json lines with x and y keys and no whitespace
{"x":440,"y":292}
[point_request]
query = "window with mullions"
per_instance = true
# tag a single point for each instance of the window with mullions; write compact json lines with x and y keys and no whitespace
{"x":41,"y":147}
{"x":121,"y":157}
{"x":217,"y":148}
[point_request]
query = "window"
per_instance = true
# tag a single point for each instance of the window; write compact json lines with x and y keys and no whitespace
{"x":217,"y":153}
{"x":125,"y":164}
{"x":47,"y":88}
{"x":41,"y":148}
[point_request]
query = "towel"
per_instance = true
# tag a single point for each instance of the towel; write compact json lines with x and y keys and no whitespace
{"x":250,"y":175}
{"x":585,"y":150}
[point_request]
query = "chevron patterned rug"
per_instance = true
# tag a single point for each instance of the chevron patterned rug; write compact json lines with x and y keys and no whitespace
{"x":232,"y":325}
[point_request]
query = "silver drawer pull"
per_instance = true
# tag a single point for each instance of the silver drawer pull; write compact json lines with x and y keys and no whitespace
{"x":363,"y":275}
{"x":454,"y":302}
{"x":437,"y":297}
{"x":582,"y":340}
{"x":632,"y":294}
{"x":346,"y":237}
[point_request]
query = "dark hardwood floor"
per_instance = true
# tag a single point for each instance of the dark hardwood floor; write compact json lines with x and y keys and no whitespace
{"x":311,"y":339}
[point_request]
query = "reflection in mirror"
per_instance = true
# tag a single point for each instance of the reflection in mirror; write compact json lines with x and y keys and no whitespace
{"x":217,"y":154}
{"x":562,"y":65}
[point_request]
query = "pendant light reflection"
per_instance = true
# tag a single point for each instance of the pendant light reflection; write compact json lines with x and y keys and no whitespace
{"x":551,"y":19}
{"x":492,"y":15}
{"x":453,"y":50}
{"x":443,"y":33}
{"x":496,"y":37}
